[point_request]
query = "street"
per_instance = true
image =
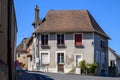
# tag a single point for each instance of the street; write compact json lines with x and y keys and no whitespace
{"x":58,"y":76}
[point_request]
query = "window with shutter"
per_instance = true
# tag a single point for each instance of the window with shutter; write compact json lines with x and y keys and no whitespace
{"x":60,"y":39}
{"x":44,"y":39}
{"x":78,"y":39}
{"x":44,"y":59}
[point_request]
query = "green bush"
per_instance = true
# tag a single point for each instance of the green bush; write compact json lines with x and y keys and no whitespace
{"x":83,"y":66}
{"x":87,"y":68}
{"x":92,"y":68}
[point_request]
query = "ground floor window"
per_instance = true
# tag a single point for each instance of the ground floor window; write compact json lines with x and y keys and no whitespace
{"x":44,"y":58}
{"x":60,"y":58}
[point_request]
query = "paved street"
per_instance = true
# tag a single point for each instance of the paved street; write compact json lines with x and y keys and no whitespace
{"x":58,"y":76}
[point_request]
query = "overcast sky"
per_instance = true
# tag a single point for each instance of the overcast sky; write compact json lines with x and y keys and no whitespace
{"x":105,"y":12}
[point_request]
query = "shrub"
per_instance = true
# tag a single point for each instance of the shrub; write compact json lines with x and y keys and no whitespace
{"x":92,"y":68}
{"x":87,"y":68}
{"x":83,"y":66}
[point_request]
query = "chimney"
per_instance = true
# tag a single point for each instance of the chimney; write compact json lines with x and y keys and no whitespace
{"x":36,"y":20}
{"x":36,"y":12}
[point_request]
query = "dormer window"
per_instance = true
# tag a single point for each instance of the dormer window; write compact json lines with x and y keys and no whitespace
{"x":44,"y":39}
{"x":60,"y":39}
{"x":78,"y":39}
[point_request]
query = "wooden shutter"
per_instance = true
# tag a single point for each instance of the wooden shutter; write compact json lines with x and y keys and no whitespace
{"x":62,"y":39}
{"x":78,"y":39}
{"x":46,"y":40}
{"x":44,"y":58}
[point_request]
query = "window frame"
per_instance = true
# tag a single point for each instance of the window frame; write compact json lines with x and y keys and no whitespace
{"x":74,"y":39}
{"x":102,"y":43}
{"x":62,"y":39}
{"x":42,"y":52}
{"x":45,"y":41}
{"x":19,"y":54}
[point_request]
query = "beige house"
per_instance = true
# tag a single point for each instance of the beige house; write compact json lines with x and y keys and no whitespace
{"x":114,"y":63}
{"x":21,"y":54}
{"x":64,"y":38}
{"x":30,"y":50}
{"x":8,"y":32}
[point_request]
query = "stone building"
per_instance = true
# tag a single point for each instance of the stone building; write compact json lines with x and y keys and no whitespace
{"x":21,"y":53}
{"x":8,"y":32}
{"x":64,"y":38}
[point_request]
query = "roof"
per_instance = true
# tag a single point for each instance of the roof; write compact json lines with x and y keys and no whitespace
{"x":69,"y":21}
{"x":114,"y":53}
{"x":20,"y":46}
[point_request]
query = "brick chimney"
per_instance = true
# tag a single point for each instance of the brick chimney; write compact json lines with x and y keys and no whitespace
{"x":36,"y":20}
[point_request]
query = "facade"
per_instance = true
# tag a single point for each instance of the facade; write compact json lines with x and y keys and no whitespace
{"x":8,"y":32}
{"x":30,"y":50}
{"x":114,"y":63}
{"x":21,"y":54}
{"x":66,"y":37}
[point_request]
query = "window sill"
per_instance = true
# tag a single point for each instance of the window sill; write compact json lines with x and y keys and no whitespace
{"x":79,"y":45}
{"x":45,"y":46}
{"x":61,"y":45}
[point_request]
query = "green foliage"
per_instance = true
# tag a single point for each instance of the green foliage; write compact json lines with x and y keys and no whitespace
{"x":92,"y":67}
{"x":83,"y":66}
{"x":87,"y":68}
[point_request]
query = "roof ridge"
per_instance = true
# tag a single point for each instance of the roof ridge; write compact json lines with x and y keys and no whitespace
{"x":93,"y":23}
{"x":88,"y":14}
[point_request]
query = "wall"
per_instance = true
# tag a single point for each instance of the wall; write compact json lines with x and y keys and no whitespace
{"x":87,"y":50}
{"x":3,"y":39}
{"x":100,"y":55}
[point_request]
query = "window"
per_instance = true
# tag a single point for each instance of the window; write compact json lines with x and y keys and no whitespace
{"x":60,"y":58}
{"x":78,"y":39}
{"x":102,"y":44}
{"x":44,"y":59}
{"x":60,"y":39}
{"x":18,"y":54}
{"x":44,"y":39}
{"x":112,"y":63}
{"x":23,"y":57}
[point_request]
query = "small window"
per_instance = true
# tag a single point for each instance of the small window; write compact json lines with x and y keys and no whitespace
{"x":18,"y":54}
{"x":60,"y":58}
{"x":23,"y":57}
{"x":112,"y":63}
{"x":44,"y":39}
{"x":102,"y":44}
{"x":44,"y":58}
{"x":60,"y":39}
{"x":78,"y":39}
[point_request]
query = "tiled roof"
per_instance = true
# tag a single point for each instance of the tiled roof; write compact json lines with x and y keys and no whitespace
{"x":114,"y":53}
{"x":69,"y":21}
{"x":20,"y":46}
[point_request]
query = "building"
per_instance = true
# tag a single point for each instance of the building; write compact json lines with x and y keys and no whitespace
{"x":114,"y":63}
{"x":8,"y":32}
{"x":21,"y":53}
{"x":64,"y":38}
{"x":30,"y":50}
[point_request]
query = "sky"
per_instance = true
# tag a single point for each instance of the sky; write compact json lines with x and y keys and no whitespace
{"x":105,"y":12}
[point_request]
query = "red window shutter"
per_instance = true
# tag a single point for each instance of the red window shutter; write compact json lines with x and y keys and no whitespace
{"x":78,"y":39}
